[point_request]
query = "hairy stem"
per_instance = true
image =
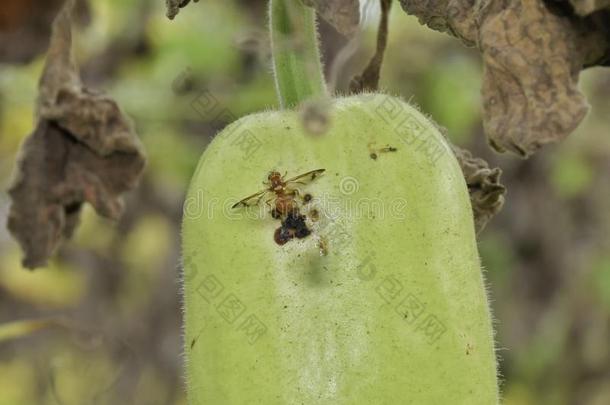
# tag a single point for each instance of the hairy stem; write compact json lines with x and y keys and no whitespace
{"x":296,"y":57}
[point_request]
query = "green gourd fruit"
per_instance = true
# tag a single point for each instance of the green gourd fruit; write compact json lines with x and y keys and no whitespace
{"x":356,"y":284}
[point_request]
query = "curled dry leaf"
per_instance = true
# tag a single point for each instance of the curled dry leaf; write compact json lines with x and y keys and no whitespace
{"x":486,"y":192}
{"x":344,"y":15}
{"x":83,"y":149}
{"x":174,"y":6}
{"x":533,"y":52}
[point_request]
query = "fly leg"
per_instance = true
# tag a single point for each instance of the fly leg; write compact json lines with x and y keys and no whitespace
{"x":275,"y":214}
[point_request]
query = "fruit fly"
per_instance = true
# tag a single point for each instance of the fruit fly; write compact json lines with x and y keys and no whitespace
{"x":285,"y":192}
{"x":374,"y":153}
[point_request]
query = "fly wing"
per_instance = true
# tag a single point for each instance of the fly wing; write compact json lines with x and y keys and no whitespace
{"x":250,"y":200}
{"x":306,"y":177}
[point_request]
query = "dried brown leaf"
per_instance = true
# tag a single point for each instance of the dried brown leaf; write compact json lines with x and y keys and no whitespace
{"x":532,"y":60}
{"x":456,"y":17}
{"x":344,"y":15}
{"x":174,"y":6}
{"x":532,"y":54}
{"x":83,"y":150}
{"x":486,"y":192}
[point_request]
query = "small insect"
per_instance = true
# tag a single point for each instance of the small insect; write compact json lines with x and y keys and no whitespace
{"x":284,"y":191}
{"x":374,"y":153}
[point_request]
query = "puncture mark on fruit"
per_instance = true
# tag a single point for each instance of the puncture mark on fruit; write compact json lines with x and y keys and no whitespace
{"x":293,"y":226}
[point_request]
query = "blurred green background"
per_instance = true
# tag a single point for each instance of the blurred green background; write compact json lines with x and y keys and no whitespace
{"x":114,"y":288}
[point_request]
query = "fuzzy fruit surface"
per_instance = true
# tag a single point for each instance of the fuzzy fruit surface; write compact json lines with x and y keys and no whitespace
{"x":392,"y":311}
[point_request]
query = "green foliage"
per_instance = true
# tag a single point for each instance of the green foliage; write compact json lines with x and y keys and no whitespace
{"x":572,"y":174}
{"x":450,"y":93}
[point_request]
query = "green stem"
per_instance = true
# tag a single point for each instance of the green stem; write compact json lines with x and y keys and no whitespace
{"x":296,"y":57}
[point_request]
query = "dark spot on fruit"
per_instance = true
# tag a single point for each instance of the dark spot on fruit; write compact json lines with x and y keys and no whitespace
{"x":293,"y":220}
{"x":275,"y":214}
{"x":195,"y":340}
{"x":293,"y":226}
{"x":469,"y":349}
{"x":373,"y":156}
{"x":314,"y":214}
{"x":302,"y":233}
{"x":307,"y":197}
{"x":282,"y":235}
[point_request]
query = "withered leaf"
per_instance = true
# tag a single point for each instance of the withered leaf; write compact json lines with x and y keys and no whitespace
{"x":456,"y":17}
{"x":174,"y":6}
{"x":486,"y":192}
{"x":344,"y":15}
{"x":532,"y":60}
{"x":83,"y":149}
{"x":532,"y":54}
